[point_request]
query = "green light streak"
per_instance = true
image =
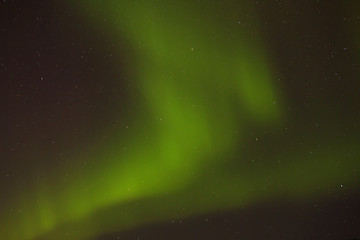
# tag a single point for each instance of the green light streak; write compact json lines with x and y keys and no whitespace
{"x":202,"y":93}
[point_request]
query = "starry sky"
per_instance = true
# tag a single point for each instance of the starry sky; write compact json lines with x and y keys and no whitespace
{"x":124,"y":119}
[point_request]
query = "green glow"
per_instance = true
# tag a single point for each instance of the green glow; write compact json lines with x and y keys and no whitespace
{"x":201,"y":93}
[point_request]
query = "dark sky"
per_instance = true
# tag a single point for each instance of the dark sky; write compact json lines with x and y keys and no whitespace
{"x":72,"y":95}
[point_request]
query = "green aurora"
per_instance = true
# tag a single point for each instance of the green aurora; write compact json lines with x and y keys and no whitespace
{"x":206,"y":114}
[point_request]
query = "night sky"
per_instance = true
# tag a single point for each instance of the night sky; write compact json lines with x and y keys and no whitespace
{"x":124,"y":119}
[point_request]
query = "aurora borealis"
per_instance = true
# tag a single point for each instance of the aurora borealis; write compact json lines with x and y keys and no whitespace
{"x":121,"y":119}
